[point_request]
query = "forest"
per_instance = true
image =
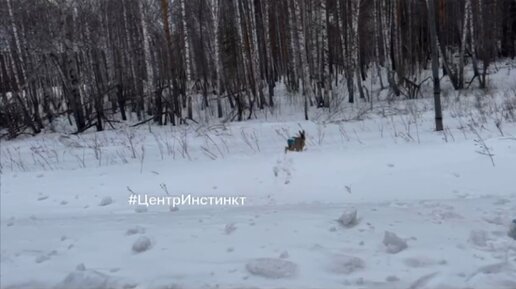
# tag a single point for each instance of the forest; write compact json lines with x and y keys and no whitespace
{"x":97,"y":63}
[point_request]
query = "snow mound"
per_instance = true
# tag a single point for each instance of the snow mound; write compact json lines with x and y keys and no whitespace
{"x":142,"y":244}
{"x":349,"y":218}
{"x":106,"y":201}
{"x":343,"y":264}
{"x":393,"y":243}
{"x":271,"y":268}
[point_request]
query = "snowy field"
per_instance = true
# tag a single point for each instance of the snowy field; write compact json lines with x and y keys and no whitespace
{"x":432,"y":209}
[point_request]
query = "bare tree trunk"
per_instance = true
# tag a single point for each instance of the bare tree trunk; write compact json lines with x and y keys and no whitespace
{"x":325,"y":55}
{"x":307,"y":86}
{"x":215,"y":8}
{"x":159,"y":114}
{"x":435,"y":65}
{"x":188,"y":70}
{"x":355,"y":44}
{"x":294,"y":47}
{"x":269,"y":61}
{"x":466,"y":20}
{"x":386,"y":36}
{"x":149,"y":84}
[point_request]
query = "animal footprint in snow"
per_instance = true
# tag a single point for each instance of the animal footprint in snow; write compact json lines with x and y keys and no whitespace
{"x":135,"y":230}
{"x":41,"y":259}
{"x":284,"y":255}
{"x":392,"y":278}
{"x":343,"y":264}
{"x":393,"y":243}
{"x":271,"y":268}
{"x":348,"y":189}
{"x":141,"y":244}
{"x":479,"y":238}
{"x":283,"y":168}
{"x":140,"y":209}
{"x":105,"y":201}
{"x":230,"y":228}
{"x":276,"y":171}
{"x":421,"y":262}
{"x":45,"y":257}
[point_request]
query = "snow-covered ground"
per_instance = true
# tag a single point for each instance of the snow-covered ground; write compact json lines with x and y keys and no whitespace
{"x":432,"y":209}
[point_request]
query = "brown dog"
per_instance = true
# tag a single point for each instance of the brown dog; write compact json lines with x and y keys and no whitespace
{"x":296,"y":143}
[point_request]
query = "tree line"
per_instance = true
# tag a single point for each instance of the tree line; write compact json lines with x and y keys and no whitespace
{"x":175,"y":62}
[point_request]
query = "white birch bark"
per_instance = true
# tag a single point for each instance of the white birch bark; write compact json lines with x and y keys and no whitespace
{"x":16,"y":41}
{"x":467,"y":19}
{"x":293,"y":43}
{"x":268,"y":51}
{"x":215,"y":8}
{"x":355,"y":67}
{"x":238,"y":23}
{"x":187,"y":43}
{"x":325,"y":55}
{"x":128,"y":45}
{"x":149,"y":86}
{"x":255,"y":55}
{"x":307,"y":86}
{"x":386,"y":23}
{"x":377,"y":41}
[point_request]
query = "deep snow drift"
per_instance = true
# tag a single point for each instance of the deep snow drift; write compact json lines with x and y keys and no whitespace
{"x":384,"y":202}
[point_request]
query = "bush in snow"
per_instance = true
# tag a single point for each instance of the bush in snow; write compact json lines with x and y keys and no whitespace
{"x":349,"y":218}
{"x":105,"y":201}
{"x":393,"y":243}
{"x":343,"y":264}
{"x":271,"y":268}
{"x":142,"y":244}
